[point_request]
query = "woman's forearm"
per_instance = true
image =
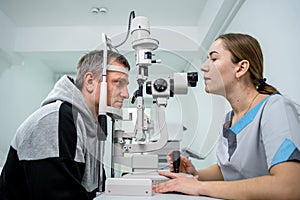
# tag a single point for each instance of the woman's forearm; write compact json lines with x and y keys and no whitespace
{"x":212,"y":173}
{"x":282,"y":183}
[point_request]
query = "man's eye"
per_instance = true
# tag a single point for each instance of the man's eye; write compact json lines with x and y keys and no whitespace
{"x":120,"y":83}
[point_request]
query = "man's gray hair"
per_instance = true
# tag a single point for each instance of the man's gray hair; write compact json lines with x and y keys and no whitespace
{"x":92,"y":62}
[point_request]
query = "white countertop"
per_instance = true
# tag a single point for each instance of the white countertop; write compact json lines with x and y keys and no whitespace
{"x":153,"y":197}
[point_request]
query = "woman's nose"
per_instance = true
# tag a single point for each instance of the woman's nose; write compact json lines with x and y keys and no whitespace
{"x":204,"y":66}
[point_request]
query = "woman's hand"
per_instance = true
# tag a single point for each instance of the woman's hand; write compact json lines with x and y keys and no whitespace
{"x":186,"y":165}
{"x":178,"y":183}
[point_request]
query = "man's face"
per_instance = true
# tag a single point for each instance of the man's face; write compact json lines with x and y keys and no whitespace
{"x":117,"y":89}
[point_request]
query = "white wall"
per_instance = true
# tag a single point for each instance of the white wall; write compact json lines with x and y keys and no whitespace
{"x":23,"y":84}
{"x":7,"y":33}
{"x":276,"y":25}
{"x":6,"y":41}
{"x":22,"y":89}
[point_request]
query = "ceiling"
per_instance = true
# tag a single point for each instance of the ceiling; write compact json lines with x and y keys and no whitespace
{"x":77,"y":13}
{"x":57,"y":32}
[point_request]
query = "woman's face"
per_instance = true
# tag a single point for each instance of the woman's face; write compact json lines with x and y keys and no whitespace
{"x":219,"y":71}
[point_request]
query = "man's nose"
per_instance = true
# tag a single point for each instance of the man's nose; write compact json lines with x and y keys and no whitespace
{"x":124,"y":93}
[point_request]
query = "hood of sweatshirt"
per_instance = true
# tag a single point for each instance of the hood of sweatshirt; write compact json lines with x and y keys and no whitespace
{"x":65,"y":90}
{"x":44,"y":137}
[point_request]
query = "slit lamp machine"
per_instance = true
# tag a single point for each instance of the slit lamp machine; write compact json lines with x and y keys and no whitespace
{"x":133,"y":149}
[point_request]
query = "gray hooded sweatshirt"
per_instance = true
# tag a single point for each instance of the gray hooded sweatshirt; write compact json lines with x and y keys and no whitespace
{"x":59,"y":141}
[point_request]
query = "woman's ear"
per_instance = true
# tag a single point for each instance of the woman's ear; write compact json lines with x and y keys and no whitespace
{"x":89,"y":82}
{"x":242,"y":68}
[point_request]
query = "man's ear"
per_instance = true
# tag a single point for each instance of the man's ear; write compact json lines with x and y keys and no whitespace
{"x":242,"y":68}
{"x":89,"y":82}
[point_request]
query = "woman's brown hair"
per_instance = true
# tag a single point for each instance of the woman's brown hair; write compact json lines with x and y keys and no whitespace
{"x":245,"y":47}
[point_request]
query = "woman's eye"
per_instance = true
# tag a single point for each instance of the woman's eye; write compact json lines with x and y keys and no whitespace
{"x":212,"y":59}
